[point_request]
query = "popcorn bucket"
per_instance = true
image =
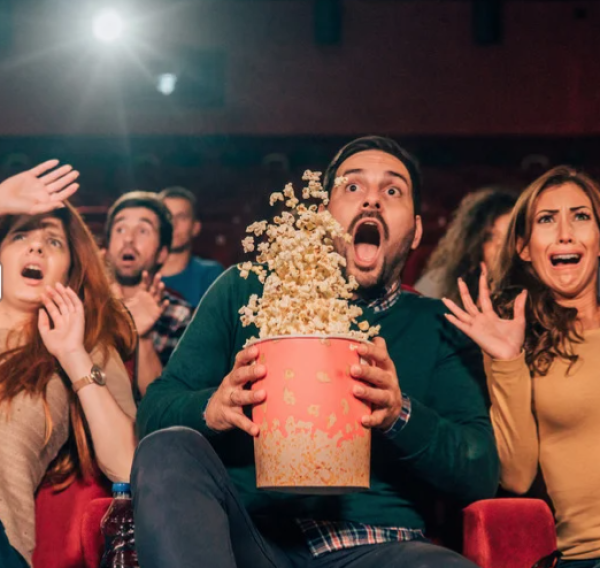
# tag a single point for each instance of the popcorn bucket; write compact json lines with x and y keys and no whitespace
{"x":311,"y":437}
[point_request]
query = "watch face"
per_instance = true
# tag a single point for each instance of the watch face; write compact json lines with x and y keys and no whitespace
{"x":98,"y":375}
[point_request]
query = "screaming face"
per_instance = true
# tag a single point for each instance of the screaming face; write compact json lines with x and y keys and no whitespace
{"x":34,"y":254}
{"x":565,"y":242}
{"x":376,"y":208}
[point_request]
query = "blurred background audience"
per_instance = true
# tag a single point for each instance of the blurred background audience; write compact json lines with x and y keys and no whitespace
{"x":475,"y":235}
{"x":189,"y":275}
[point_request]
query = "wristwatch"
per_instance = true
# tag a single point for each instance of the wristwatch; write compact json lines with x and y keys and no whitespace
{"x":96,"y":376}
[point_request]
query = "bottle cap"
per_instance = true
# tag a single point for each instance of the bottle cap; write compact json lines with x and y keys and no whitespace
{"x":121,"y":488}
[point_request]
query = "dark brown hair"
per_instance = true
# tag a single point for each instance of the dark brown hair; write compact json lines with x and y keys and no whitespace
{"x":386,"y":145}
{"x":551,"y":328}
{"x":460,"y":251}
{"x":178,"y":192}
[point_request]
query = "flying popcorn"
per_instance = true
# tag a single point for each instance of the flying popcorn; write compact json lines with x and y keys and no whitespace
{"x":305,"y":291}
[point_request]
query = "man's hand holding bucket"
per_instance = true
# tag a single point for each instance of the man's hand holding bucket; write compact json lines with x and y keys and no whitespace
{"x":225,"y":409}
{"x":378,"y":385}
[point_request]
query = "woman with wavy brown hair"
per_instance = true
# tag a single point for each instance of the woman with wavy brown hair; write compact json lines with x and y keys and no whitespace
{"x":540,"y":332}
{"x":65,"y":395}
{"x":474,"y":235}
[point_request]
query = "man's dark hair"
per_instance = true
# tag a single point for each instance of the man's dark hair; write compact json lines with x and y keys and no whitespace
{"x":179,"y":192}
{"x":382,"y":144}
{"x":150,"y":201}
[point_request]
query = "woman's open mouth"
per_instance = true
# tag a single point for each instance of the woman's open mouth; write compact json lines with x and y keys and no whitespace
{"x":565,"y":260}
{"x":367,"y":243}
{"x":32,"y":272}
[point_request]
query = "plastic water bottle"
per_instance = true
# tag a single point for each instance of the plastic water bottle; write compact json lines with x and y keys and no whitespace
{"x":117,"y":528}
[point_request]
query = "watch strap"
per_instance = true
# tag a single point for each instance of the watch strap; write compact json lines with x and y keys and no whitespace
{"x":95,"y":376}
{"x":81,"y":383}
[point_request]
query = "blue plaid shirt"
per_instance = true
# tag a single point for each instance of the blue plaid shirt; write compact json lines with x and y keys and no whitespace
{"x":327,"y":536}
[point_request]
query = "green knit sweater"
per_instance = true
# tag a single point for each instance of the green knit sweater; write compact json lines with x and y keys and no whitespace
{"x":446,"y":448}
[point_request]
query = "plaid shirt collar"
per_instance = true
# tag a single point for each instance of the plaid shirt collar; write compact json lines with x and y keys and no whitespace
{"x":386,"y":301}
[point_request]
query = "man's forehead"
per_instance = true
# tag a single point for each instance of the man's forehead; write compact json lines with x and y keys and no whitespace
{"x":375,"y":162}
{"x":137,"y":215}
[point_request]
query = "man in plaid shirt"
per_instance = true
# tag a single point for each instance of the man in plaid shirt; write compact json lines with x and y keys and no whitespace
{"x":138,"y":236}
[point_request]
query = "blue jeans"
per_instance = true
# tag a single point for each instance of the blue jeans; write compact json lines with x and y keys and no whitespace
{"x":9,"y":557}
{"x":188,"y":513}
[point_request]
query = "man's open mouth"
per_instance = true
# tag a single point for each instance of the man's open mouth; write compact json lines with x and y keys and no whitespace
{"x":32,"y":271}
{"x":128,"y":257}
{"x":565,"y":259}
{"x":367,"y":241}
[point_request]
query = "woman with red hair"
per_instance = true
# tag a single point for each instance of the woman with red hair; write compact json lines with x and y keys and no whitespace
{"x":65,"y":395}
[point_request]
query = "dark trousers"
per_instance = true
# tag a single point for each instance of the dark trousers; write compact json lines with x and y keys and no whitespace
{"x":188,"y":515}
{"x":9,"y":557}
{"x":592,"y":563}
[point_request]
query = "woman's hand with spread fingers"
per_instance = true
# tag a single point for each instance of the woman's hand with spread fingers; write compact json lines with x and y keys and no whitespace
{"x":499,"y":338}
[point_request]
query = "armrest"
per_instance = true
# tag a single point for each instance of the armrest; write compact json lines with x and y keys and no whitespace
{"x":91,"y":537}
{"x":508,"y":533}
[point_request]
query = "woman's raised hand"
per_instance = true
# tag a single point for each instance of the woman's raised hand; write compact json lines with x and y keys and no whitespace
{"x":38,"y":190}
{"x":499,"y":338}
{"x":64,"y":310}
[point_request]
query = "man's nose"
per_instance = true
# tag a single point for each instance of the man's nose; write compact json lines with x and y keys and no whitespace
{"x":372,"y":201}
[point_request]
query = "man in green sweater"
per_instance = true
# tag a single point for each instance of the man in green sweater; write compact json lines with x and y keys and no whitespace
{"x":195,"y":498}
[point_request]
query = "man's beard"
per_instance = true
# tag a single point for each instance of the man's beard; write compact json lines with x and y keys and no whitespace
{"x":130,"y":280}
{"x":181,"y":248}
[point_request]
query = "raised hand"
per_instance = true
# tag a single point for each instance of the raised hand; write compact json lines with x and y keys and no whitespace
{"x":499,"y":338}
{"x":33,"y":193}
{"x":225,"y":409}
{"x":65,"y":339}
{"x":146,"y":305}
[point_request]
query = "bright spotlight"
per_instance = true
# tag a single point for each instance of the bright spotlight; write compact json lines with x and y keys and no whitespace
{"x":108,"y":26}
{"x":166,"y":83}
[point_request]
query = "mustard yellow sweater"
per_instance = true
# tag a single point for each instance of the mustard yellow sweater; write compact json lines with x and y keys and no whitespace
{"x":554,"y":421}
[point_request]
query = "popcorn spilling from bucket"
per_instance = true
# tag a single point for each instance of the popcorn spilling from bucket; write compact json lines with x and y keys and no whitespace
{"x":305,"y":290}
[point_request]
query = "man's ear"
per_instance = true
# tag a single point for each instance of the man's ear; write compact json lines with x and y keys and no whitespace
{"x":197,"y":227}
{"x":418,"y":232}
{"x":162,"y":255}
{"x":523,"y":251}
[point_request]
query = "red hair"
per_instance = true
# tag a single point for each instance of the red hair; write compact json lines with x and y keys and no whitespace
{"x":29,"y":367}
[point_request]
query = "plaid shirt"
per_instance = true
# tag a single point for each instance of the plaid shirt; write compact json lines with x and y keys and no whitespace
{"x":387,"y":301}
{"x":327,"y":536}
{"x":170,"y":326}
